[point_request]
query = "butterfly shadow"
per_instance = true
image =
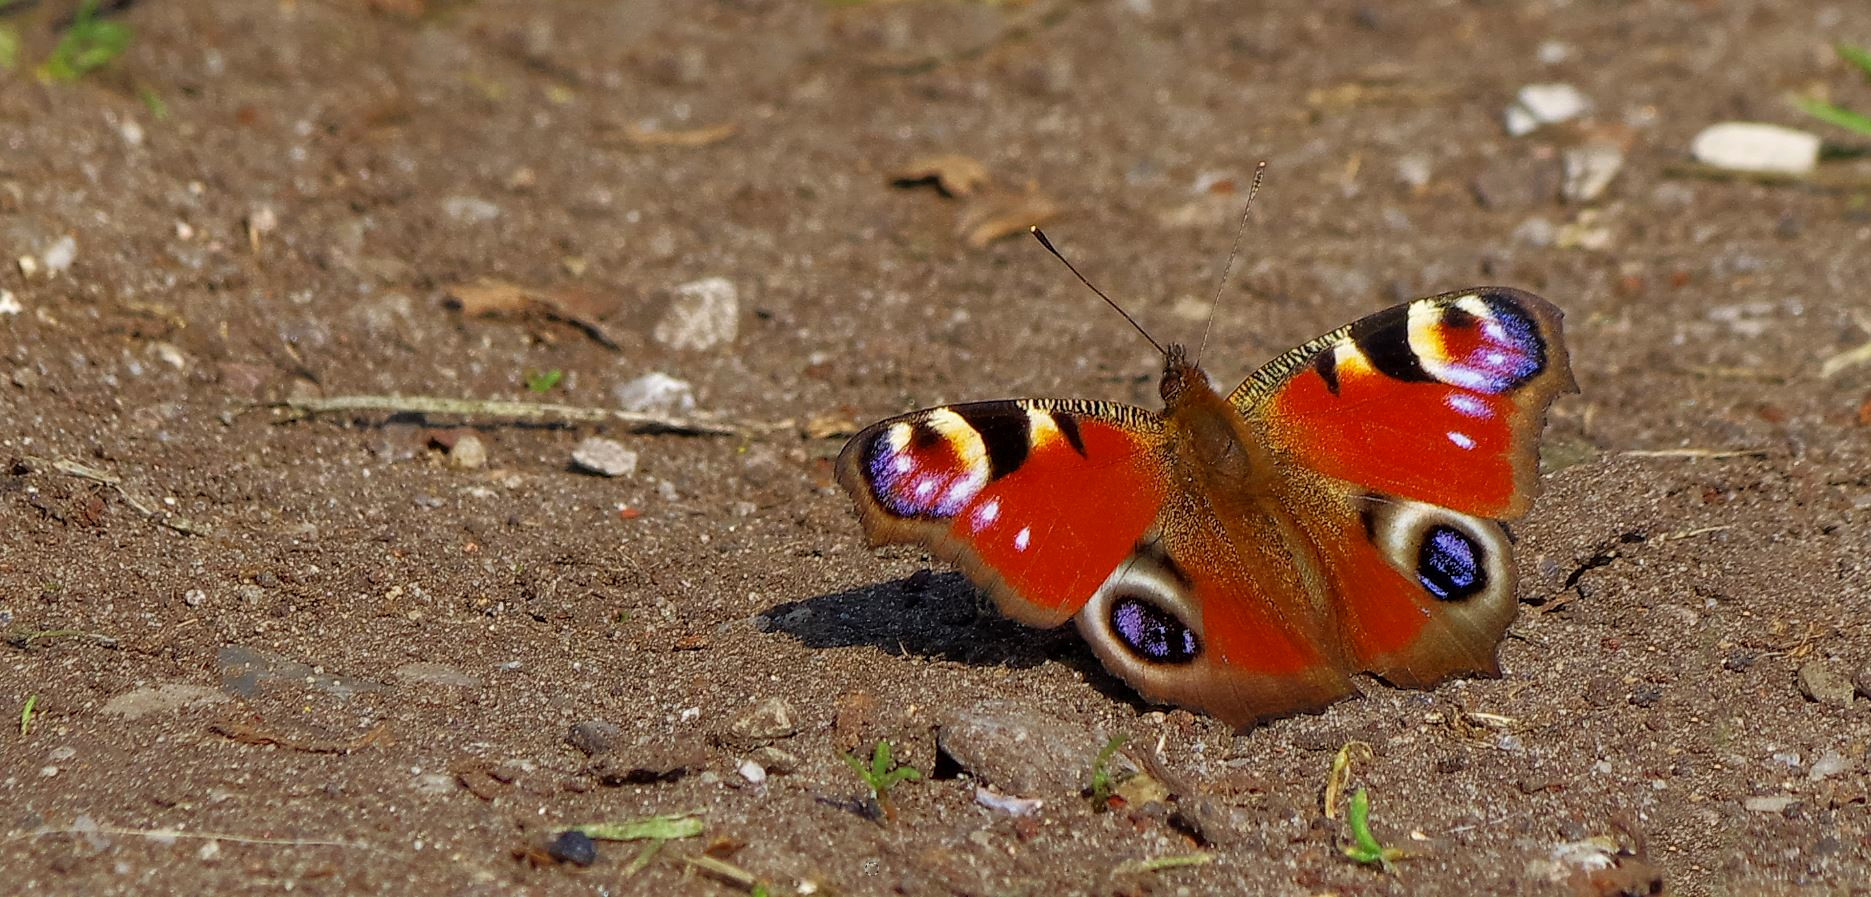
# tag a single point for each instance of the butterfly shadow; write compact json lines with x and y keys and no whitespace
{"x":937,"y":616}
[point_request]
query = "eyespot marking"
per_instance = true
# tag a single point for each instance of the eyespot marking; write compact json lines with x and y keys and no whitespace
{"x":932,"y":466}
{"x":1152,"y":633}
{"x":1450,"y":565}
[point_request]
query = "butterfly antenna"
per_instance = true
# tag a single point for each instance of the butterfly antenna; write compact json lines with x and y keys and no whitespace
{"x":1041,"y":236}
{"x":1234,"y":250}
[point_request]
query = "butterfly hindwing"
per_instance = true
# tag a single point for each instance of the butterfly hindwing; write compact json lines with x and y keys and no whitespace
{"x":1405,"y":436}
{"x":1036,"y":501}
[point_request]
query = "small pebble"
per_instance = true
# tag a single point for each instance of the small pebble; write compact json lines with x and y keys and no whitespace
{"x":59,"y":256}
{"x":194,"y":597}
{"x":1777,"y":803}
{"x":704,"y":314}
{"x":594,"y":736}
{"x":1018,"y":750}
{"x":1537,"y":105}
{"x":469,"y":209}
{"x":9,"y":303}
{"x":752,"y":771}
{"x":1819,"y":682}
{"x":1589,"y":168}
{"x":605,"y":457}
{"x":573,"y":847}
{"x":655,"y":393}
{"x":1012,"y":806}
{"x":469,"y":453}
{"x":770,"y":720}
{"x":1829,"y":764}
{"x":1754,"y":146}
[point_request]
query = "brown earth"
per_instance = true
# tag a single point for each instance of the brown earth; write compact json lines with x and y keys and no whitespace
{"x":314,"y":655}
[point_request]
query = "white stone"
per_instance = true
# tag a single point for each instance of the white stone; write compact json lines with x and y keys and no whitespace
{"x":1537,"y":105}
{"x":59,"y":256}
{"x":1754,"y":146}
{"x":705,"y":313}
{"x":754,"y":773}
{"x":469,"y":209}
{"x":1589,"y":168}
{"x":9,"y":303}
{"x":656,"y":393}
{"x":606,"y":457}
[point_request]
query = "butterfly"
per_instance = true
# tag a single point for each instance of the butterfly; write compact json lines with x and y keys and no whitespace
{"x":1246,"y":554}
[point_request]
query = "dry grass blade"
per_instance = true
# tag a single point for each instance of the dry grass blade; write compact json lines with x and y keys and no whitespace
{"x":688,"y":138}
{"x":251,"y":734}
{"x":142,"y":505}
{"x":530,"y":411}
{"x":1709,"y":454}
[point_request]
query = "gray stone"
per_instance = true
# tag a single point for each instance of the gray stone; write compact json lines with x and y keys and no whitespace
{"x":594,"y":736}
{"x":1018,"y":751}
{"x":166,"y":698}
{"x":655,"y":393}
{"x":423,"y":673}
{"x":605,"y":457}
{"x":704,"y":314}
{"x":1776,"y":803}
{"x":1820,"y":682}
{"x":245,"y":672}
{"x":769,"y":720}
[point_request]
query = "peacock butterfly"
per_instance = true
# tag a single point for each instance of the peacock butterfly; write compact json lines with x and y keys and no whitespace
{"x":1245,"y":554}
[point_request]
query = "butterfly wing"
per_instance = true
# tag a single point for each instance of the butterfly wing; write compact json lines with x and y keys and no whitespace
{"x":1059,"y":509}
{"x":1403,"y":437}
{"x":1036,"y":501}
{"x":1439,"y":400}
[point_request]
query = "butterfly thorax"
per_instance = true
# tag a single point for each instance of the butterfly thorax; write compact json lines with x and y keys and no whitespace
{"x":1211,"y":442}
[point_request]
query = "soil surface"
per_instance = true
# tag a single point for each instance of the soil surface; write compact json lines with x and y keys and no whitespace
{"x":254,"y":652}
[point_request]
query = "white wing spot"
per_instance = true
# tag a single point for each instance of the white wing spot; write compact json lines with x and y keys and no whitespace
{"x":1461,"y":440}
{"x":1022,"y":538}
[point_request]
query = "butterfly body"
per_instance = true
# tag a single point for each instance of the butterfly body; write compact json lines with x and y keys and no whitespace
{"x":1246,"y":554}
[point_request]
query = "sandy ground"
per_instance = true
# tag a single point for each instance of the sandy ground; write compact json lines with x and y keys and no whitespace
{"x":329,"y":655}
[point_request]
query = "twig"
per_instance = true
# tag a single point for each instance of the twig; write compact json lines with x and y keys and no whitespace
{"x":1699,"y":531}
{"x":637,"y":421}
{"x":1703,"y":453}
{"x":156,"y":515}
{"x":23,"y":638}
{"x":249,"y":734}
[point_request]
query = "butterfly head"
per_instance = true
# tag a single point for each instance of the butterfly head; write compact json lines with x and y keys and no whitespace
{"x":1181,"y":377}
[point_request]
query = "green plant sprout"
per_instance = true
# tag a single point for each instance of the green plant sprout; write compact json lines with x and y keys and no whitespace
{"x":1364,"y":846}
{"x":88,"y":45}
{"x":25,"y":715}
{"x":881,"y":775}
{"x":1832,"y":114}
{"x":1103,"y":783}
{"x":544,"y":381}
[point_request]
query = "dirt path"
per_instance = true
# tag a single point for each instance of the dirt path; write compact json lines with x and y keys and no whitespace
{"x":344,"y":654}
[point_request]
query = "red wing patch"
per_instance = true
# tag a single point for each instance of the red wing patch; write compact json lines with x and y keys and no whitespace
{"x":1037,"y":502}
{"x":1439,"y":400}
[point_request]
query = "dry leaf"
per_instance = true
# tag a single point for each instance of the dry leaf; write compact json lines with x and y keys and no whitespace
{"x":992,"y":216}
{"x":692,"y":137}
{"x":485,"y":297}
{"x":952,"y":173}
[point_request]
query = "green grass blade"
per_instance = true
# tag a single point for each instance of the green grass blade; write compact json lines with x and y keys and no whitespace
{"x":1834,"y":115}
{"x":1857,"y":56}
{"x":658,"y":828}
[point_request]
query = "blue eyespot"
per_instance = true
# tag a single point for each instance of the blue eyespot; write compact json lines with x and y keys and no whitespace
{"x":1450,"y":564}
{"x":1152,"y":633}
